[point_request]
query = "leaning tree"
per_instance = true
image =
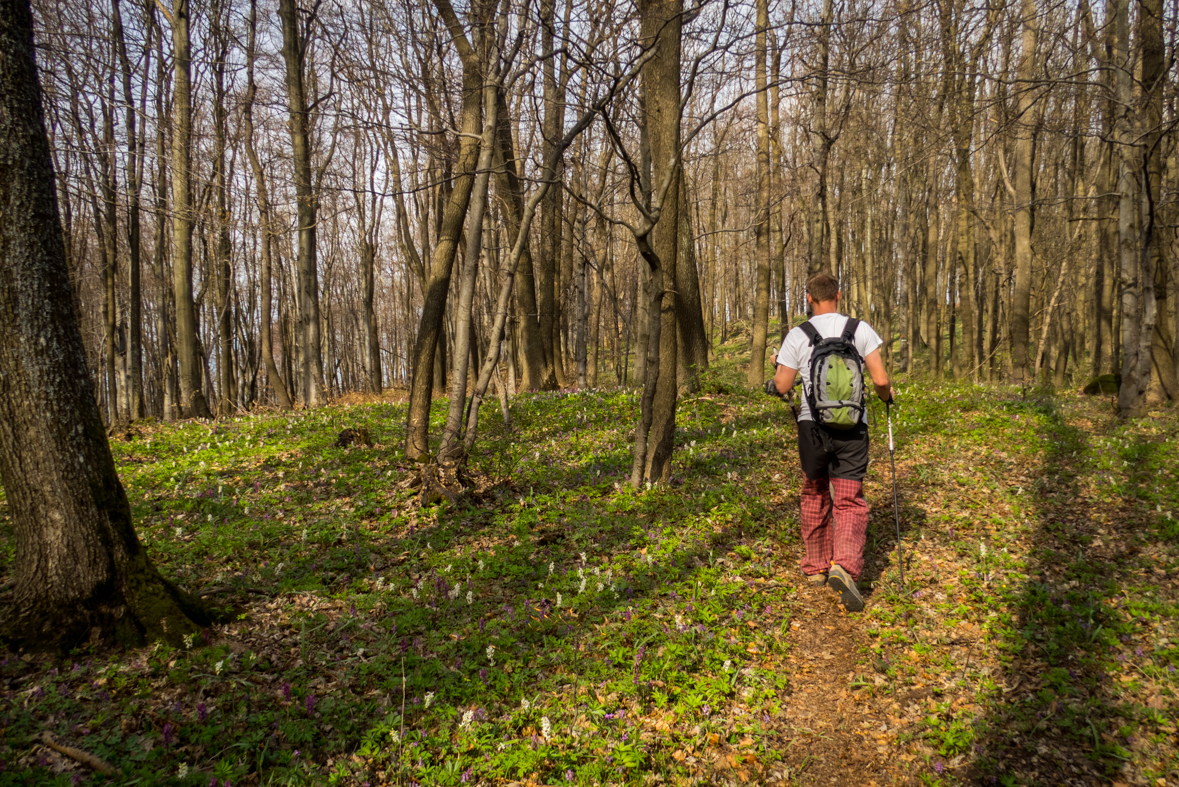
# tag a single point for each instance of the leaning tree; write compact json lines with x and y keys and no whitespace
{"x":81,"y":573}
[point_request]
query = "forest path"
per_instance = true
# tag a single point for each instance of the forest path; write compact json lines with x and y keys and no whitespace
{"x":836,"y":723}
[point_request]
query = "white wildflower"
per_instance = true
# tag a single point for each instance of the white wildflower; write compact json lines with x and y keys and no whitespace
{"x":210,"y":517}
{"x":558,"y":598}
{"x":601,"y":587}
{"x":380,"y":580}
{"x":395,"y":736}
{"x":491,"y":654}
{"x":414,"y":591}
{"x":470,"y":597}
{"x":551,"y":567}
{"x":546,"y":727}
{"x":728,"y":665}
{"x":429,"y":698}
{"x":583,"y":557}
{"x":468,"y":717}
{"x":982,"y":549}
{"x":525,"y":704}
{"x":182,"y":771}
{"x":581,"y":587}
{"x":188,"y":641}
{"x":481,"y":564}
{"x":179,"y":532}
{"x":217,"y":667}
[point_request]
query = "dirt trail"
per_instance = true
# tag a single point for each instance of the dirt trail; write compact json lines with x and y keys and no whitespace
{"x":835,"y":726}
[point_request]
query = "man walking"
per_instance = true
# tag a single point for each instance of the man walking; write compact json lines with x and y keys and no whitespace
{"x":834,"y":456}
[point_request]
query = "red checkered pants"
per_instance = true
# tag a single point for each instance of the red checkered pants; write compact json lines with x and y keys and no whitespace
{"x":834,"y":530}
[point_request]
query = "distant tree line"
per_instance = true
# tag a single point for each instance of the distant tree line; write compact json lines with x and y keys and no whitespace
{"x":280,"y":204}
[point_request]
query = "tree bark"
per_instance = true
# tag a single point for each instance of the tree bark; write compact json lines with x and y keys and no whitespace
{"x":417,"y":437}
{"x":307,"y":209}
{"x":227,"y":379}
{"x":134,"y":179}
{"x":81,"y":573}
{"x":761,"y":221}
{"x":692,"y":340}
{"x":265,"y":218}
{"x":537,"y":372}
{"x":661,"y":22}
{"x":1024,"y":151}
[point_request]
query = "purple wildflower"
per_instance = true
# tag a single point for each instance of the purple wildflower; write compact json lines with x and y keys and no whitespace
{"x":169,"y":734}
{"x":569,"y":775}
{"x":202,"y":711}
{"x":286,"y":691}
{"x":309,"y":703}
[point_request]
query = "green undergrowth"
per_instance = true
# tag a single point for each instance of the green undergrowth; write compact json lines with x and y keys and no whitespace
{"x":559,"y":627}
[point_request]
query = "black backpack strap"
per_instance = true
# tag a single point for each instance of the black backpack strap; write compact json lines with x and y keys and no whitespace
{"x":849,"y":330}
{"x":811,"y":332}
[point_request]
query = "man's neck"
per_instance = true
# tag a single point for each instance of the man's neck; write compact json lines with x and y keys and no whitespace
{"x":826,"y":307}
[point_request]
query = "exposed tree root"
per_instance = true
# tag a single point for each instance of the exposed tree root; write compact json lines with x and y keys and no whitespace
{"x":86,"y":758}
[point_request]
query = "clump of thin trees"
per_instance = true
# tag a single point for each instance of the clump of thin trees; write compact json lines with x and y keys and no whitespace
{"x":280,"y":204}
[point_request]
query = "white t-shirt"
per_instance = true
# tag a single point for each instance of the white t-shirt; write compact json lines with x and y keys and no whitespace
{"x":796,"y":350}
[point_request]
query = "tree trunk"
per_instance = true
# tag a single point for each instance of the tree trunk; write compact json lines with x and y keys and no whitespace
{"x":192,"y":399}
{"x":656,"y":435}
{"x":1024,"y":151}
{"x":307,"y":208}
{"x":134,"y":178}
{"x":450,"y":450}
{"x":81,"y":573}
{"x":820,"y":233}
{"x":537,"y":372}
{"x":417,"y":437}
{"x":1138,"y":188}
{"x":761,"y":221}
{"x":227,"y":378}
{"x":264,"y":218}
{"x":692,"y":339}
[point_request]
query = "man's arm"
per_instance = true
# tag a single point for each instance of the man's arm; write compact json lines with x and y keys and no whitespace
{"x":878,"y":374}
{"x":784,"y":379}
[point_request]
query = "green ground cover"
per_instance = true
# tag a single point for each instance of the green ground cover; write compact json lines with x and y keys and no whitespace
{"x":558,"y":627}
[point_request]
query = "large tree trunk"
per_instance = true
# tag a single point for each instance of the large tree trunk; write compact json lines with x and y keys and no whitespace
{"x":656,"y":435}
{"x":81,"y":572}
{"x":1138,"y":190}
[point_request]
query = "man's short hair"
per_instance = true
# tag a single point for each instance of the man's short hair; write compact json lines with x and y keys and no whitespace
{"x":822,"y":287}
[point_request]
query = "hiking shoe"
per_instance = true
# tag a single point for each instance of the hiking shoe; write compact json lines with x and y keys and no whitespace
{"x":816,"y":580}
{"x":842,"y":583}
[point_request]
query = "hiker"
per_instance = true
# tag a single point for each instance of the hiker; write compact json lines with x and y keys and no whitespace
{"x":833,"y":450}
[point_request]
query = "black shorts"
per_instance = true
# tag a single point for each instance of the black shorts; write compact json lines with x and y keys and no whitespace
{"x":837,"y":453}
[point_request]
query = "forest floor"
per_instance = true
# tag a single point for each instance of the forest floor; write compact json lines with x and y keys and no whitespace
{"x":556,"y":627}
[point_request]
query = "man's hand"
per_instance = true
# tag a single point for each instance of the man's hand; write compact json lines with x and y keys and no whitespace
{"x":771,"y":389}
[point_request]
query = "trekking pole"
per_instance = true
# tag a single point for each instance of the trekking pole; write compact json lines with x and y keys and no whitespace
{"x":896,"y":509}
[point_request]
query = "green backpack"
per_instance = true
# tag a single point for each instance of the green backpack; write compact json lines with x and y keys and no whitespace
{"x":836,"y":392}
